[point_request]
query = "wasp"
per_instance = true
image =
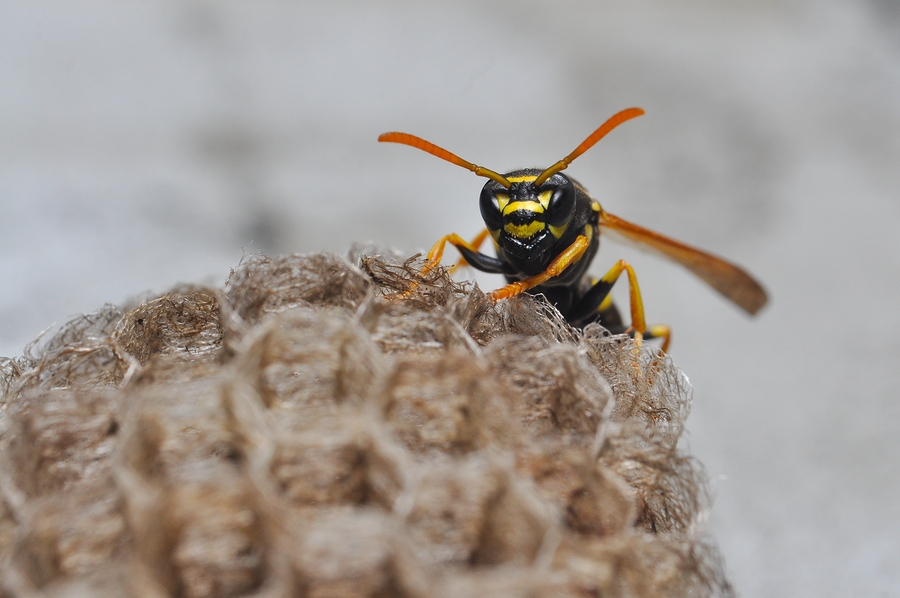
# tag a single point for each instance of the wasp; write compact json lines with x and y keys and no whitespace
{"x":546,"y":230}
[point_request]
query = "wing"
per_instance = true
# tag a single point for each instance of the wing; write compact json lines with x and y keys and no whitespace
{"x":728,"y":279}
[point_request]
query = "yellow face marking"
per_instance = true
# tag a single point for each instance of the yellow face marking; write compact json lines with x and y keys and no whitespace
{"x":522,"y":179}
{"x":595,"y":205}
{"x":544,"y":198}
{"x":523,"y":231}
{"x":531,"y":206}
{"x":495,"y":234}
{"x":559,"y":230}
{"x":589,"y":232}
{"x":502,"y":199}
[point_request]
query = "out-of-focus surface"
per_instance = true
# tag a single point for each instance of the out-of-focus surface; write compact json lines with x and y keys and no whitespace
{"x":145,"y":145}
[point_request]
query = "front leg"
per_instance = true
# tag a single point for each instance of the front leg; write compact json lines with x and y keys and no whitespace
{"x":470,"y":253}
{"x":565,"y":259}
{"x":476,"y":244}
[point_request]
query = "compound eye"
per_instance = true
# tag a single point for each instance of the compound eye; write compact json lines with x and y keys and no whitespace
{"x":490,"y":208}
{"x":562,"y":203}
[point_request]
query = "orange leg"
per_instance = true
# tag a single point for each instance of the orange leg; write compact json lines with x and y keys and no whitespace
{"x":637,"y":305}
{"x":437,"y":252}
{"x":565,"y":259}
{"x":476,"y":243}
{"x":661,"y":331}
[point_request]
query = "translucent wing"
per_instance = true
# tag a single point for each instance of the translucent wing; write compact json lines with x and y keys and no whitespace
{"x":728,"y":279}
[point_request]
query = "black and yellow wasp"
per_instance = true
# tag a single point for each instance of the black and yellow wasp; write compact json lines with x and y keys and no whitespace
{"x":546,"y":230}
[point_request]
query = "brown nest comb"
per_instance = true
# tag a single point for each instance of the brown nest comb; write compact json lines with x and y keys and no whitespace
{"x":324,"y":429}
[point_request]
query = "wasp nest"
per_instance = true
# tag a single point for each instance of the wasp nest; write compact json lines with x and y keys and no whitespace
{"x":319,"y":429}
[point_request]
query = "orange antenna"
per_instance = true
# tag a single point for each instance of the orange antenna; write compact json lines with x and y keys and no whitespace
{"x":427,"y":146}
{"x":609,"y":125}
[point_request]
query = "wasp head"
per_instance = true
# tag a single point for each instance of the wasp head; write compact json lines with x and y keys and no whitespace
{"x":526,"y":220}
{"x":526,"y":211}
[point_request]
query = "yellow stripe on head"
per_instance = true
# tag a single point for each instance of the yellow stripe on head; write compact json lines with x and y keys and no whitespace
{"x":527,"y":178}
{"x":524,"y":231}
{"x":529,"y":206}
{"x":544,"y":198}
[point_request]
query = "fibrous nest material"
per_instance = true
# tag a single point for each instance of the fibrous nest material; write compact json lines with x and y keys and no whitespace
{"x":322,"y":428}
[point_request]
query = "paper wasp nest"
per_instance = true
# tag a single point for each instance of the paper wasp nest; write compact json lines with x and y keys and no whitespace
{"x":318,"y":429}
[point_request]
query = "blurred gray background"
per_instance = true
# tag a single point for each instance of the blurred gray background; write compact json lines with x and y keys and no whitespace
{"x":147,"y":144}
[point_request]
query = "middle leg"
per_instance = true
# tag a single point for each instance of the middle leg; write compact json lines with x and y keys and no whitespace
{"x":597,"y":300}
